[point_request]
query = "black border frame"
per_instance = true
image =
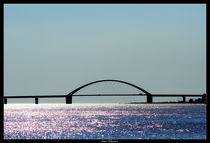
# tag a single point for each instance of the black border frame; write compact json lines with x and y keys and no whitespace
{"x":2,"y":2}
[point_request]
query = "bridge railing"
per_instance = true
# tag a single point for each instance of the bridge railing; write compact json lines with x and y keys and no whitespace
{"x":36,"y":97}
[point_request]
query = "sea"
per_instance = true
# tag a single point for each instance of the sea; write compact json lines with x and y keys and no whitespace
{"x":105,"y":121}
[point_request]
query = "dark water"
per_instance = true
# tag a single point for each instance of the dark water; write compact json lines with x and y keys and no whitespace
{"x":105,"y":121}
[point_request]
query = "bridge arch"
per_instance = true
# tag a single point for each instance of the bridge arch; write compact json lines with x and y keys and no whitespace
{"x":69,"y":96}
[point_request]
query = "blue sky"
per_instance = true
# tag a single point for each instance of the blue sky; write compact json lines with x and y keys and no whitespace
{"x":55,"y":48}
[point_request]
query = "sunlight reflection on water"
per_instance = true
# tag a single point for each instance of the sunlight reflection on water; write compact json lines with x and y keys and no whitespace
{"x":105,"y":121}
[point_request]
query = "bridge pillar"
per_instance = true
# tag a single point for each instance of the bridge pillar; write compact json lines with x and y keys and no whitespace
{"x":68,"y":99}
{"x":184,"y":99}
{"x":149,"y":98}
{"x":5,"y":100}
{"x":36,"y":100}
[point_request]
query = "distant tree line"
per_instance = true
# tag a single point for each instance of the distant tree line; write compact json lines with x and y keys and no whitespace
{"x":199,"y":100}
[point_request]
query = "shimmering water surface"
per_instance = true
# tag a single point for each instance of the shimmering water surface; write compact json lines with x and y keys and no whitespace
{"x":105,"y":121}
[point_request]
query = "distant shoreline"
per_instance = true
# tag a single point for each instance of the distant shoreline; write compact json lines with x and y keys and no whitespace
{"x":164,"y":103}
{"x":121,"y":103}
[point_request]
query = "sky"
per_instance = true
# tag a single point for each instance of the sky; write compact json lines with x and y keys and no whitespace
{"x":55,"y":48}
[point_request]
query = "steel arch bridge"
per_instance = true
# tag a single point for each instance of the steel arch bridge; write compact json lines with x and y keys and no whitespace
{"x":69,"y":96}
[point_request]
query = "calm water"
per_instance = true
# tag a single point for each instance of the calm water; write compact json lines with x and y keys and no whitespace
{"x":105,"y":121}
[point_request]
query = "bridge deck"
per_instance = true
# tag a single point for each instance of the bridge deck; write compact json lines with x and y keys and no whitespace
{"x":69,"y":98}
{"x":33,"y":96}
{"x":58,"y":96}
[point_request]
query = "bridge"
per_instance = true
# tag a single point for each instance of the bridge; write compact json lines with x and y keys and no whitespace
{"x":71,"y":94}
